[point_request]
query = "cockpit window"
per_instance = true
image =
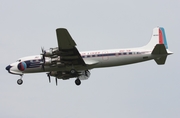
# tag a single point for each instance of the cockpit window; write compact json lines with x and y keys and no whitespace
{"x":18,"y":60}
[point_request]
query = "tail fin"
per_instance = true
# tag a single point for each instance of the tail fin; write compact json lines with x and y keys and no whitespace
{"x":158,"y":37}
{"x":158,"y":45}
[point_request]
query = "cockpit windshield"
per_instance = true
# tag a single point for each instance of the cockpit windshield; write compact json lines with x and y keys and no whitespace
{"x":19,"y":60}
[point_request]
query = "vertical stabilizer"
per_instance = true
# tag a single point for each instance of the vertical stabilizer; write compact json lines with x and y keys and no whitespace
{"x":158,"y":37}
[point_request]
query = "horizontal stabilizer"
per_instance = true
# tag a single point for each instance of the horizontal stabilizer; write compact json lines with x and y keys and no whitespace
{"x":159,"y":49}
{"x":161,"y":60}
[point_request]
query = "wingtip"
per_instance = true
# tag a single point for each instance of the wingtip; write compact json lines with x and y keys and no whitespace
{"x":61,"y":29}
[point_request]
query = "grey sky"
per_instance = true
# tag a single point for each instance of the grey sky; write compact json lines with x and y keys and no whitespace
{"x":143,"y":90}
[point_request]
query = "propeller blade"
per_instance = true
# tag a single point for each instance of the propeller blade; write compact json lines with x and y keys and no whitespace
{"x":43,"y":66}
{"x":56,"y":81}
{"x":43,"y":57}
{"x":43,"y":51}
{"x":43,"y":61}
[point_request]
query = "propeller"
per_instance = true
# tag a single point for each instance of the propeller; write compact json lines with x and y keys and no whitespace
{"x":43,"y":51}
{"x":49,"y":77}
{"x":43,"y":57}
{"x":56,"y":81}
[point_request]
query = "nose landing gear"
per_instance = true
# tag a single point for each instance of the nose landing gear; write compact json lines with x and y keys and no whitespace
{"x":20,"y":81}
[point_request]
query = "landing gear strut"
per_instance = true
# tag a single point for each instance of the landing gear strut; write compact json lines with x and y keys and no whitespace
{"x":20,"y":81}
{"x":77,"y":81}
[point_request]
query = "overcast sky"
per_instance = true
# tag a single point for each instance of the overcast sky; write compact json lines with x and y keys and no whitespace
{"x":143,"y":90}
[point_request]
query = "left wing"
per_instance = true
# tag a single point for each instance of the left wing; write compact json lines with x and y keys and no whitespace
{"x":68,"y":52}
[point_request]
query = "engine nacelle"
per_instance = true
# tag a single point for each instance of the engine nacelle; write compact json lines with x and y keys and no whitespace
{"x":57,"y":59}
{"x":51,"y":52}
{"x":51,"y":61}
{"x":85,"y":75}
{"x":47,"y":61}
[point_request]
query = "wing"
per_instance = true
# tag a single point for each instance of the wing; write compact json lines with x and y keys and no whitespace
{"x":68,"y":52}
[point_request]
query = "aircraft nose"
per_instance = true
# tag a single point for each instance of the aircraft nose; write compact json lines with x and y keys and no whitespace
{"x":8,"y":67}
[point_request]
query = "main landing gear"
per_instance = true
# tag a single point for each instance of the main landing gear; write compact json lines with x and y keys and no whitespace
{"x":20,"y":81}
{"x":77,"y":81}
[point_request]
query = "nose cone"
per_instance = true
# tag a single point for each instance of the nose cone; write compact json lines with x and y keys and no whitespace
{"x":8,"y":68}
{"x":13,"y":69}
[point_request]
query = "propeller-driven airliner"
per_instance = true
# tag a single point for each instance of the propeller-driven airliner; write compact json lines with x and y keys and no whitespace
{"x":65,"y":61}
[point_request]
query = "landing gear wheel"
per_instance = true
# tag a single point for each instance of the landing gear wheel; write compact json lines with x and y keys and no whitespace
{"x":19,"y":81}
{"x":77,"y":82}
{"x":73,"y":71}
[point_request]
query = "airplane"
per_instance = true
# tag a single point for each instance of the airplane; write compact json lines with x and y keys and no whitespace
{"x":65,"y":61}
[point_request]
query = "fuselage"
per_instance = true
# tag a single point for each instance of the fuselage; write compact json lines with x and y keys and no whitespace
{"x":93,"y":59}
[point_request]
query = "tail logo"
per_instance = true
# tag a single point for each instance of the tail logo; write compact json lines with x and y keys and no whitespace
{"x":162,"y":37}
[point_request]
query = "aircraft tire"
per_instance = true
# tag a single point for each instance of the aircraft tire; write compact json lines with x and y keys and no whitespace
{"x":78,"y":82}
{"x":19,"y":81}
